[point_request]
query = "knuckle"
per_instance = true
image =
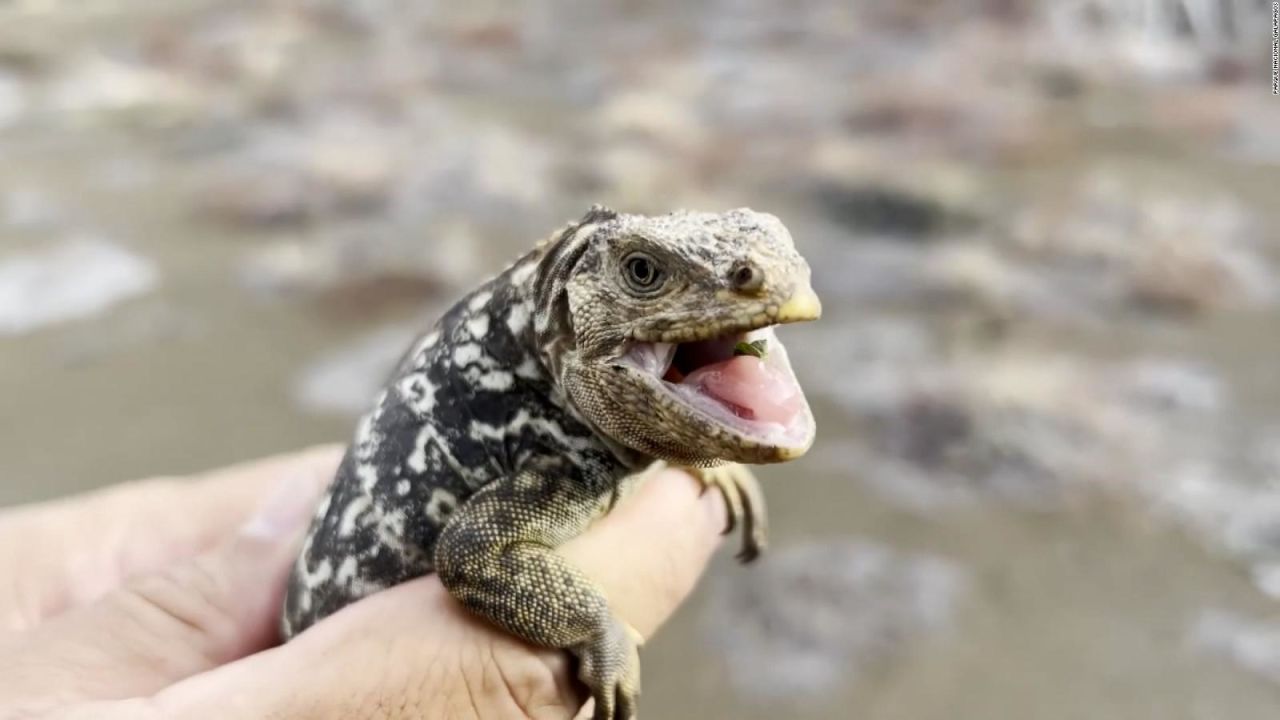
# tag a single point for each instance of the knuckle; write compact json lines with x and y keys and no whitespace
{"x":189,"y":601}
{"x":535,"y":683}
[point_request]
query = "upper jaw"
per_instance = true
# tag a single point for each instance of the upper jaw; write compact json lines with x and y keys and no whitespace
{"x":800,"y":306}
{"x":654,"y":358}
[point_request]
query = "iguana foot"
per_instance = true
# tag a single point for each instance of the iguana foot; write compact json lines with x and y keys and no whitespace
{"x":745,"y":502}
{"x":609,"y":665}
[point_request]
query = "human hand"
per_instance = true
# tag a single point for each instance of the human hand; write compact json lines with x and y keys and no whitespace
{"x":160,"y":598}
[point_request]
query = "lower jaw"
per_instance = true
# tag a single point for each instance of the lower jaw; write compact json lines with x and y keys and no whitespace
{"x":708,"y":439}
{"x":722,"y":422}
{"x":748,"y":453}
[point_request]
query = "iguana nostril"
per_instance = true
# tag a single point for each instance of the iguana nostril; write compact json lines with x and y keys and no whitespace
{"x":746,"y":277}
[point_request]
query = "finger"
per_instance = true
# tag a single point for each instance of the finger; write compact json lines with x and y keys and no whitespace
{"x":90,"y":545}
{"x":648,"y":554}
{"x":160,"y":628}
{"x":389,"y":651}
{"x":410,"y":652}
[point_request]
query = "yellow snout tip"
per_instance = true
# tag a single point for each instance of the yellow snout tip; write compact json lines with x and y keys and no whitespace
{"x":801,"y":306}
{"x":785,"y":454}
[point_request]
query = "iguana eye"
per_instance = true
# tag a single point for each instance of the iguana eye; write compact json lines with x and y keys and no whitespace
{"x":642,"y":273}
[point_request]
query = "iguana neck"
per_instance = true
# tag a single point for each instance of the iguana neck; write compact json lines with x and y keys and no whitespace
{"x":541,"y":278}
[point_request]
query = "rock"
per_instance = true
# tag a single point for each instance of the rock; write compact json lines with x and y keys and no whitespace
{"x":30,"y":209}
{"x":74,"y":279}
{"x":360,"y":255}
{"x":649,"y":143}
{"x":1251,"y":528}
{"x":253,"y":50}
{"x":125,"y":173}
{"x":881,"y":210}
{"x":1252,"y":644}
{"x":977,"y":274}
{"x":493,"y":166}
{"x":1171,"y":42}
{"x":476,"y":182}
{"x":1199,"y":258}
{"x":13,"y":99}
{"x":346,"y":380}
{"x":814,"y":616}
{"x":24,"y":52}
{"x":1169,"y":252}
{"x":867,"y":189}
{"x":143,"y":329}
{"x":1171,"y":386}
{"x":436,"y":170}
{"x":99,"y":88}
{"x":1027,"y":430}
{"x":1266,"y":577}
{"x":664,"y":119}
{"x":1207,"y":114}
{"x":1265,"y":452}
{"x":932,"y":424}
{"x":1252,"y":138}
{"x":1213,"y":474}
{"x":255,"y":199}
{"x":637,"y":176}
{"x":341,"y":166}
{"x":356,"y":171}
{"x":939,"y":95}
{"x":368,"y":15}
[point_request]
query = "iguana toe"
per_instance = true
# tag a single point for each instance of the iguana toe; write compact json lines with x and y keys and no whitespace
{"x":744,"y":502}
{"x":609,"y":665}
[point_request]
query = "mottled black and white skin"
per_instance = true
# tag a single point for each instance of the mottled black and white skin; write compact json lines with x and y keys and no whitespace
{"x":519,"y":417}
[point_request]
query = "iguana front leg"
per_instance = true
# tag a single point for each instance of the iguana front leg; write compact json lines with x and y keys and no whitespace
{"x":497,"y":556}
{"x":745,"y":503}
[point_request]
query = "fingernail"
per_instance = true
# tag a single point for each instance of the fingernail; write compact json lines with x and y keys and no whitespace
{"x":284,"y":511}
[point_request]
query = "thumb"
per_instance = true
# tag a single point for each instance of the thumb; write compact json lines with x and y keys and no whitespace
{"x":162,"y":627}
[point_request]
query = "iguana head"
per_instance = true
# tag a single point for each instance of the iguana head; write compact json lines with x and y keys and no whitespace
{"x":639,"y":317}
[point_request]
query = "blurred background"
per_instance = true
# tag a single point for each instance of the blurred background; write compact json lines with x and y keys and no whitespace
{"x":1047,"y":479}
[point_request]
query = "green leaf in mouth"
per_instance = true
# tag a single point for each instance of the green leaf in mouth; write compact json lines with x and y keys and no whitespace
{"x":755,"y":348}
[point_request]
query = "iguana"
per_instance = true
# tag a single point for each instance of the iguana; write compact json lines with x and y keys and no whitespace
{"x":516,"y":421}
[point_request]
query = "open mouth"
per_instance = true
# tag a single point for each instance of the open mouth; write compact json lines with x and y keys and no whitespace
{"x":756,"y":397}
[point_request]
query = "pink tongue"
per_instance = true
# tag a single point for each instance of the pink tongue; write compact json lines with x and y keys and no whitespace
{"x":752,"y":388}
